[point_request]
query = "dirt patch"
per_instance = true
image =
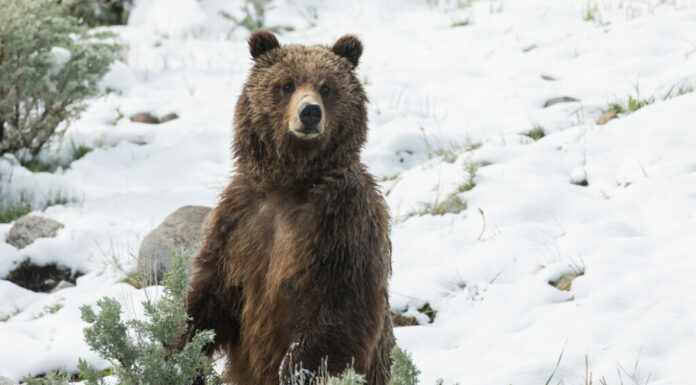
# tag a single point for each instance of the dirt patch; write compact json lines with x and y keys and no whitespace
{"x":40,"y":278}
{"x":399,"y":320}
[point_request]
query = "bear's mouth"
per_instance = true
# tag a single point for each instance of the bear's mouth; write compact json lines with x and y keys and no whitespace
{"x":308,"y":131}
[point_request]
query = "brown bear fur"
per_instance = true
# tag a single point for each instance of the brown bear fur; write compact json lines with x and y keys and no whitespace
{"x":295,"y":264}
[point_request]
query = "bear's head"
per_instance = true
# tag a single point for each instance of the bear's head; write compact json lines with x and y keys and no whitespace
{"x":302,"y":110}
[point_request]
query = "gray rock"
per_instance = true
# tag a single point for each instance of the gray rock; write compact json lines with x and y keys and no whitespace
{"x":168,"y":117}
{"x":560,"y":99}
{"x":144,"y":117}
{"x":29,"y":228}
{"x":7,"y":381}
{"x":181,"y":230}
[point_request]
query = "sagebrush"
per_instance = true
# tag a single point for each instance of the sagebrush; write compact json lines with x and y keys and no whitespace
{"x":145,"y":351}
{"x":49,"y":64}
{"x":98,"y":12}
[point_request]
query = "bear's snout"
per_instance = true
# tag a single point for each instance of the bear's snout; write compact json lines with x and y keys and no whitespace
{"x":310,"y":115}
{"x":307,"y":118}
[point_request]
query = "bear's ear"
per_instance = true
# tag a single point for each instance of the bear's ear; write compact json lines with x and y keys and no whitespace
{"x":262,"y":41}
{"x":349,"y":47}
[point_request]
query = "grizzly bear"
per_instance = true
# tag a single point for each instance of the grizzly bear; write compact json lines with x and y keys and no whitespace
{"x":293,"y":272}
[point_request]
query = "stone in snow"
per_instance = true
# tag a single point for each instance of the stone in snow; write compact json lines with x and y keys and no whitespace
{"x":29,"y":228}
{"x":181,"y":230}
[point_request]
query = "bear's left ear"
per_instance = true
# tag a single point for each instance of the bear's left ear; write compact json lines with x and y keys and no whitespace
{"x":349,"y":47}
{"x":262,"y":41}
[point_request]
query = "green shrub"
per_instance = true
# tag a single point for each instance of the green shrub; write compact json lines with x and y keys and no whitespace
{"x":403,"y":370}
{"x":145,"y":351}
{"x":98,"y":12}
{"x":49,"y":64}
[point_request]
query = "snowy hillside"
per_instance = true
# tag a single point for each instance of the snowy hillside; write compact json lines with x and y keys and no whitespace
{"x":530,"y":194}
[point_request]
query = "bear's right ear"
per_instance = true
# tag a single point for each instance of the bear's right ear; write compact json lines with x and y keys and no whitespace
{"x":262,"y":41}
{"x":348,"y":47}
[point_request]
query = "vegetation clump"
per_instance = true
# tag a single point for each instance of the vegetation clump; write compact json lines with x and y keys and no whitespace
{"x":49,"y":64}
{"x":537,"y":132}
{"x":633,"y":103}
{"x":98,"y":12}
{"x":147,"y":351}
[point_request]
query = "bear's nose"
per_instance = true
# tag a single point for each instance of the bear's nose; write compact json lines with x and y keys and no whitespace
{"x":310,"y":115}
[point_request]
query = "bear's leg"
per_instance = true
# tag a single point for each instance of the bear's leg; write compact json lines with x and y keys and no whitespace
{"x":380,"y":367}
{"x":211,"y":302}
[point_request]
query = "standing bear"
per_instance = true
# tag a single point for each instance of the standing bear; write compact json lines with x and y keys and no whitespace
{"x":295,"y":264}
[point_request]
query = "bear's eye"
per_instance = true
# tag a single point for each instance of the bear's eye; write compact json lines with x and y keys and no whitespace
{"x":288,"y":88}
{"x":324,"y":91}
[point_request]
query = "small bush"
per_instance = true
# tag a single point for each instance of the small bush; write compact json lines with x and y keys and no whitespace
{"x":49,"y":64}
{"x":403,"y":370}
{"x":98,"y":12}
{"x":145,"y":351}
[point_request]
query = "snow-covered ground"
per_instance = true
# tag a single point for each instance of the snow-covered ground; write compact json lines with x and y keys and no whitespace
{"x":435,"y":89}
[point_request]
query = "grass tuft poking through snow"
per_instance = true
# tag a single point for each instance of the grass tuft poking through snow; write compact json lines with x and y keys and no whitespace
{"x":536,"y":132}
{"x":453,"y":202}
{"x":633,"y":103}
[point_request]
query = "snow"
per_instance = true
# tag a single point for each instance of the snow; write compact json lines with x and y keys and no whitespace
{"x":432,"y":86}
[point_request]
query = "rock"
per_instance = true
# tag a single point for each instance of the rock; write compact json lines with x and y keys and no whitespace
{"x":62,"y":285}
{"x":606,"y":116}
{"x":558,"y":100}
{"x":168,"y":117}
{"x":29,"y":228}
{"x":144,"y":117}
{"x":181,"y":230}
{"x":7,"y":381}
{"x":548,"y":78}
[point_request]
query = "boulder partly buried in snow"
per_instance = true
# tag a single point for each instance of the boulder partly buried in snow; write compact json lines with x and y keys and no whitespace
{"x":29,"y":228}
{"x":181,"y":230}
